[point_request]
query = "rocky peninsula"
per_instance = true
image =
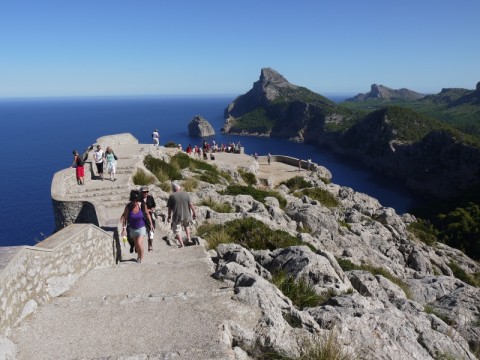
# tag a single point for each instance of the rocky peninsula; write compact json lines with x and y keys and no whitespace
{"x":381,"y":293}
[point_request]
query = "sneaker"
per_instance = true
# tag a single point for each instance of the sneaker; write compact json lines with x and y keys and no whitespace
{"x":139,"y":261}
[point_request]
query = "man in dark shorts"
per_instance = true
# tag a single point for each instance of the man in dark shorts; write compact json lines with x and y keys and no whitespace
{"x":98,"y":156}
{"x":181,"y":212}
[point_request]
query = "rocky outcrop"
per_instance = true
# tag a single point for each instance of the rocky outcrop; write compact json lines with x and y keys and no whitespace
{"x":380,"y":92}
{"x":199,"y":127}
{"x":400,"y":301}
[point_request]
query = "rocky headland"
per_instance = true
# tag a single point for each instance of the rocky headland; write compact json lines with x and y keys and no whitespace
{"x":430,"y":157}
{"x":381,"y":292}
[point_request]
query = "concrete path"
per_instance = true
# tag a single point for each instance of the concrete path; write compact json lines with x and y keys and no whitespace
{"x":168,"y":307}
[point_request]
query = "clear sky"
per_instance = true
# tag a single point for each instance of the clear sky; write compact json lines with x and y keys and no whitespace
{"x":170,"y":47}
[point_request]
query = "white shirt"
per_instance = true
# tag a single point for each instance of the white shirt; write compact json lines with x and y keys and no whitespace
{"x":98,"y":156}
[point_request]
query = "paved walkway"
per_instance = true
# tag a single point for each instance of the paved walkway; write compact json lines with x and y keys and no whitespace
{"x":168,"y":307}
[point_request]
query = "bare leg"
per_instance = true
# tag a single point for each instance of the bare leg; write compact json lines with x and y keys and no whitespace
{"x":179,"y":238}
{"x":187,"y":231}
{"x":139,"y":246}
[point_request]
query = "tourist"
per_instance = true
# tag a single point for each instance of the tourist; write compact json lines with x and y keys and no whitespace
{"x":150,"y":205}
{"x":78,"y":164}
{"x":181,"y":212}
{"x":111,"y":163}
{"x":269,"y":158}
{"x":98,"y":157}
{"x":156,"y":137}
{"x":309,"y":164}
{"x":299,"y":165}
{"x":137,"y":217}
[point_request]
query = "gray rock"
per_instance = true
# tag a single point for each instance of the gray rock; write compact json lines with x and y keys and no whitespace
{"x":199,"y":127}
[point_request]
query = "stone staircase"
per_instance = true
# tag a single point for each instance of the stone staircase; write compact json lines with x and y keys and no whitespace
{"x":168,"y":307}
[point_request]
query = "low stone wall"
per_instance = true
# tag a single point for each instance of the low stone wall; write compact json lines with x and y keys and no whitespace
{"x":34,"y":275}
{"x":70,"y":212}
{"x":290,"y":161}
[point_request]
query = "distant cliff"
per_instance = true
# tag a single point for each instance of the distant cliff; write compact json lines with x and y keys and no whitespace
{"x":429,"y":155}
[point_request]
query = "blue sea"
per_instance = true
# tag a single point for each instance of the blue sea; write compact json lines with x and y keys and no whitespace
{"x":38,"y":136}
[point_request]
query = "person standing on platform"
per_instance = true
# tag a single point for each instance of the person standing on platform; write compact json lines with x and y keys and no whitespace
{"x":156,"y":137}
{"x":78,"y":164}
{"x":98,"y":156}
{"x":269,"y":158}
{"x":111,"y":163}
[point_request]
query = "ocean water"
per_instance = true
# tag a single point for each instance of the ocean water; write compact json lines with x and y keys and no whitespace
{"x":38,"y":135}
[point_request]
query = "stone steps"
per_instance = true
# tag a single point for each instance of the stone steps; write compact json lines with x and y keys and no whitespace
{"x":168,"y":307}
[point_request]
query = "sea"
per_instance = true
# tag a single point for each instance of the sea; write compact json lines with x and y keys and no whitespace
{"x":37,"y":136}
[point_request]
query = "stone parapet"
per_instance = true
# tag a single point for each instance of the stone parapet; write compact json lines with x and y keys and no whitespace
{"x":70,"y":212}
{"x":32,"y":275}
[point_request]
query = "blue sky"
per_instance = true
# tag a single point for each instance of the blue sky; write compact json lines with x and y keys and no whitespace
{"x":149,"y":47}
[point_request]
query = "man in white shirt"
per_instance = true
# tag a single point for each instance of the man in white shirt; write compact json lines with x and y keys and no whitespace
{"x":156,"y":137}
{"x":98,"y":156}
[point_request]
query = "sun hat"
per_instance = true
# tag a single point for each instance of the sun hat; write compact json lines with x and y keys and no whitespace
{"x":144,"y":188}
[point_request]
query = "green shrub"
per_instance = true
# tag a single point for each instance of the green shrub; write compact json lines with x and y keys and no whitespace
{"x":161,"y":169}
{"x":301,"y":293}
{"x":423,"y":231}
{"x":142,"y":178}
{"x":171,"y":144}
{"x":248,"y":177}
{"x":207,"y":172}
{"x":217,"y":207}
{"x":431,"y":310}
{"x":321,"y":195}
{"x":248,"y":232}
{"x":327,"y":348}
{"x":344,"y":224}
{"x":296,"y":183}
{"x":257,"y":194}
{"x":190,"y":184}
{"x":461,"y":274}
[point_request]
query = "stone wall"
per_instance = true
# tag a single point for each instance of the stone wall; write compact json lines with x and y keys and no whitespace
{"x":34,"y":275}
{"x":70,"y":212}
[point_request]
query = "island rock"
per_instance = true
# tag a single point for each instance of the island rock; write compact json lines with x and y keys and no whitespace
{"x":199,"y":127}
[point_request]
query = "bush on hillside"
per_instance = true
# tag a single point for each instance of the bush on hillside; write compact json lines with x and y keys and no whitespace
{"x":321,"y":195}
{"x":248,"y":232}
{"x":257,"y":194}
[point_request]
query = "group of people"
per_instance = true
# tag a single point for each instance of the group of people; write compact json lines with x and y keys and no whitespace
{"x":101,"y":158}
{"x":138,"y":218}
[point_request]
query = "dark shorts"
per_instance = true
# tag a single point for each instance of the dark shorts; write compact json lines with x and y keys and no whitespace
{"x":80,"y":171}
{"x":99,"y":167}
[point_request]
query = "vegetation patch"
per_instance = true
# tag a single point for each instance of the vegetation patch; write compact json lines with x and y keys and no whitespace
{"x":431,"y":310}
{"x":296,"y":183}
{"x":301,"y":293}
{"x":190,"y":184}
{"x":216,"y":206}
{"x":459,"y":273}
{"x":423,"y":231}
{"x":142,"y":178}
{"x":257,"y":194}
{"x":347,"y":265}
{"x":249,"y":232}
{"x":161,"y":169}
{"x":248,"y":177}
{"x":321,"y":195}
